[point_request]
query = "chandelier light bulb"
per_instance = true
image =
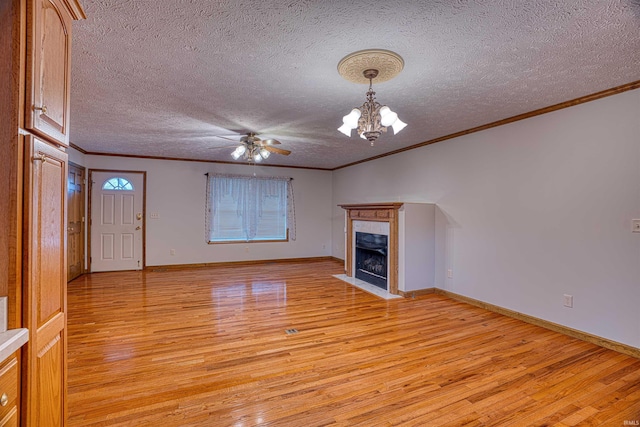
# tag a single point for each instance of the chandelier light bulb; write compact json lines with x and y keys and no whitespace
{"x":345,"y":129}
{"x":387,"y":117}
{"x":398,"y":125}
{"x":351,"y":119}
{"x":257,"y":157}
{"x":264,"y":153}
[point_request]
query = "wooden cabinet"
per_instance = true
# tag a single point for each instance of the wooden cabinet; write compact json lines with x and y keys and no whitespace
{"x":35,"y":55}
{"x":45,"y":287}
{"x":49,"y":69}
{"x":9,"y":391}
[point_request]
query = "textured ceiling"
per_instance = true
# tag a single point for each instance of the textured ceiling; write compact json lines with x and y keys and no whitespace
{"x":164,"y":78}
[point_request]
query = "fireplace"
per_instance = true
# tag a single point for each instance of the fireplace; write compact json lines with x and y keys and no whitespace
{"x":371,"y":255}
{"x":407,"y":233}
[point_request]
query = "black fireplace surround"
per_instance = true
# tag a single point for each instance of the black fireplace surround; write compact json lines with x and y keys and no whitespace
{"x":371,"y":258}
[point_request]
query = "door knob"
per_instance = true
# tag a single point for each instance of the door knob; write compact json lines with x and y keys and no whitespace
{"x":138,"y":228}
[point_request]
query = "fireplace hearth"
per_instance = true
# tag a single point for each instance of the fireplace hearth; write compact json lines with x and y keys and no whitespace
{"x":371,"y":253}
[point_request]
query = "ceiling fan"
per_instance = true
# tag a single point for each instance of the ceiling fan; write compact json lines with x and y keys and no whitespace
{"x":254,"y":149}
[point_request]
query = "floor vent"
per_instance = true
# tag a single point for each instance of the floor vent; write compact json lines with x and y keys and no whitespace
{"x":291,"y":331}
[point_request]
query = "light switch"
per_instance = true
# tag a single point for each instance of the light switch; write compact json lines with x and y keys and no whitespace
{"x":635,"y":225}
{"x":155,"y":215}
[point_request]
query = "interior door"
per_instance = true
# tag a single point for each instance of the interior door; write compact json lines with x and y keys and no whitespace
{"x":75,"y":221}
{"x":117,"y":220}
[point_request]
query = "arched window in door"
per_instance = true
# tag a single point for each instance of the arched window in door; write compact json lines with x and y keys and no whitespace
{"x":117,"y":183}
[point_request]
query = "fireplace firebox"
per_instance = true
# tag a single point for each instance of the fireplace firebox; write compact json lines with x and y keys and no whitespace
{"x":371,"y":252}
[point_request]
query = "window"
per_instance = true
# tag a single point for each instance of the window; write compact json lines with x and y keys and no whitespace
{"x":117,"y":183}
{"x":248,"y":208}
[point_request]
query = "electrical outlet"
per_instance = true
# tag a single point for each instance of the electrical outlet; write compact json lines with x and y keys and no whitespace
{"x":449,"y":274}
{"x":568,"y":300}
{"x":172,"y":251}
{"x":246,"y":248}
{"x":635,"y":225}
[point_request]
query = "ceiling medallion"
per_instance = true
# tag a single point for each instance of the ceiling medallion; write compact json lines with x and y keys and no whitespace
{"x":371,"y":118}
{"x":389,"y":64}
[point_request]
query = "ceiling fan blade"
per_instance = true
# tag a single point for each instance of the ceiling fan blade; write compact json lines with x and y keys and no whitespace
{"x":276,"y":150}
{"x":224,"y":147}
{"x":236,"y":139}
{"x":269,"y":142}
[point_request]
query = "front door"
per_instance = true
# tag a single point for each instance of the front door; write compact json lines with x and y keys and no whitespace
{"x":117,"y":220}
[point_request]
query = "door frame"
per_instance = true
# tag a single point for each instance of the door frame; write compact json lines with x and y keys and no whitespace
{"x":144,"y":212}
{"x":83,"y":232}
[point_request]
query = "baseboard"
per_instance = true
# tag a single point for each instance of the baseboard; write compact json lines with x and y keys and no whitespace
{"x":584,"y":336}
{"x":237,"y":263}
{"x":417,"y":292}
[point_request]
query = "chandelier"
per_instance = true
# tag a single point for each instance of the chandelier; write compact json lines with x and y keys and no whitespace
{"x":371,"y":119}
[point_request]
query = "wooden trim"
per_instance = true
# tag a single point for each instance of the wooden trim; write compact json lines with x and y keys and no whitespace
{"x":584,"y":336}
{"x":75,"y":9}
{"x":179,"y":159}
{"x":75,"y":147}
{"x":340,"y":260}
{"x":238,"y":263}
{"x":371,"y":206}
{"x":417,"y":292}
{"x":587,"y":98}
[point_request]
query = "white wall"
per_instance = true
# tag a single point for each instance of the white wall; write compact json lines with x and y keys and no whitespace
{"x":528,"y":212}
{"x":176,"y":191}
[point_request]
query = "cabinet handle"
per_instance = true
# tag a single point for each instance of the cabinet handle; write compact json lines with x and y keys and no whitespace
{"x":43,"y":109}
{"x":40,"y":157}
{"x":4,"y":399}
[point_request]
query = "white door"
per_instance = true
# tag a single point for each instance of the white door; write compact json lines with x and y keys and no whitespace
{"x":117,"y":220}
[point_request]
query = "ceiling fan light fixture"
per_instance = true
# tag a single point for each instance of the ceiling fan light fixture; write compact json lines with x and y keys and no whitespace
{"x":238,"y":152}
{"x":254,"y":150}
{"x":371,"y":119}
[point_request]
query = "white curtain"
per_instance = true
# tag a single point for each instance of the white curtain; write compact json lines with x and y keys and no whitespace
{"x":249,"y":194}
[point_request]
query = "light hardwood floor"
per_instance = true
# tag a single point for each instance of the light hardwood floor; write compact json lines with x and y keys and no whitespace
{"x":207,"y":347}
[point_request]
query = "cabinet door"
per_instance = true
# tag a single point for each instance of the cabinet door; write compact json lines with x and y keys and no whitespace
{"x":49,"y":70}
{"x":10,"y":399}
{"x":45,"y":285}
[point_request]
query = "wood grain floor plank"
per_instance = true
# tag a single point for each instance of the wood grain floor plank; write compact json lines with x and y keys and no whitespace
{"x":207,"y":346}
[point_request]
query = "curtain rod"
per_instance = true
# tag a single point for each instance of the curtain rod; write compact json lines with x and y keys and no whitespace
{"x":249,"y":176}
